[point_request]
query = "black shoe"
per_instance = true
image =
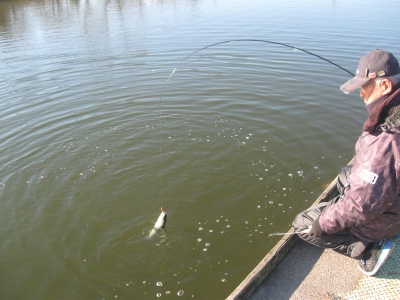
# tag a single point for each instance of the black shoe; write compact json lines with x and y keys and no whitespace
{"x":374,"y":259}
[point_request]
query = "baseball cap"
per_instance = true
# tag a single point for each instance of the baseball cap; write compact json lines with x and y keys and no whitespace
{"x":377,"y":63}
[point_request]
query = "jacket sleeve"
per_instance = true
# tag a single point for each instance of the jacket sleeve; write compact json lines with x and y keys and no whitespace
{"x":373,"y":184}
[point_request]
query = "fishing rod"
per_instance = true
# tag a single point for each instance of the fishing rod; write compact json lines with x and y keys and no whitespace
{"x":284,"y":233}
{"x":231,"y":41}
{"x":290,"y":233}
{"x":248,"y":40}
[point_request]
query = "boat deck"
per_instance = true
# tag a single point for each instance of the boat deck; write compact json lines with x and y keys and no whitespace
{"x":309,"y":272}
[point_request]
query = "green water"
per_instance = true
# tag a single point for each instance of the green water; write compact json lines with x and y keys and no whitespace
{"x":245,"y":137}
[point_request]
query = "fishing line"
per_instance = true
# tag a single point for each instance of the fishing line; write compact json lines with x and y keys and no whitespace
{"x":231,"y":41}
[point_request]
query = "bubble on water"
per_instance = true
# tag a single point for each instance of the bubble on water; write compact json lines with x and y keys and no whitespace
{"x":261,"y":178}
{"x":199,"y":240}
{"x":127,"y":284}
{"x":223,"y":280}
{"x":207,"y":244}
{"x":227,"y":226}
{"x":280,"y":204}
{"x":205,"y":249}
{"x":243,"y":143}
{"x":200,"y":228}
{"x":159,"y":283}
{"x":247,"y":222}
{"x":116,"y":296}
{"x":284,"y":189}
{"x":290,"y":175}
{"x":168,"y":292}
{"x":180,"y":293}
{"x":258,"y":206}
{"x":210,"y":230}
{"x":158,"y":295}
{"x":247,"y":137}
{"x":216,"y":220}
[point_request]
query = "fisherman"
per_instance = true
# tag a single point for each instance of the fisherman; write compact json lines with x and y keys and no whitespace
{"x":365,"y":212}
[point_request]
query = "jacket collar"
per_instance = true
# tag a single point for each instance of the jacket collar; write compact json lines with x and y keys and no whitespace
{"x":393,"y":120}
{"x":385,"y":107}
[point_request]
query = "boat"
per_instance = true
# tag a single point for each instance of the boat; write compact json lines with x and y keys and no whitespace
{"x":260,"y":273}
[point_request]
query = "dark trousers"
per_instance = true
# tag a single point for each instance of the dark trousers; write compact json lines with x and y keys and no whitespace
{"x":343,"y":241}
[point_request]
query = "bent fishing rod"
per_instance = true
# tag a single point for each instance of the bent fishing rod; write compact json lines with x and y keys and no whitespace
{"x":248,"y":40}
{"x":231,"y":41}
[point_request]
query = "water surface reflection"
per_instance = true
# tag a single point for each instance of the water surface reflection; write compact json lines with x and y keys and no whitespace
{"x":248,"y":135}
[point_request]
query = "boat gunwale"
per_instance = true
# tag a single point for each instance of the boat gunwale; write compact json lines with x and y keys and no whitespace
{"x":256,"y":277}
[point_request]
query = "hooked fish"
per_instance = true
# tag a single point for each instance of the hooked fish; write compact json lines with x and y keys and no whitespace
{"x":161,"y":221}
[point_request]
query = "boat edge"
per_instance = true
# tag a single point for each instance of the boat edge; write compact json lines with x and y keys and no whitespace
{"x":252,"y":282}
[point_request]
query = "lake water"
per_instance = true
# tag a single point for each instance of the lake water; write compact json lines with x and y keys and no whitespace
{"x":242,"y":137}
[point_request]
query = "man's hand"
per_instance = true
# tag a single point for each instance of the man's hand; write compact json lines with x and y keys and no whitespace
{"x":315,"y":229}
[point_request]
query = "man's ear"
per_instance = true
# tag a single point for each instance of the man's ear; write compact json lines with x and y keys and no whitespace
{"x":386,"y":86}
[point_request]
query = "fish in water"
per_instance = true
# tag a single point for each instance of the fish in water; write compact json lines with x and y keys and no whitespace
{"x":161,"y":221}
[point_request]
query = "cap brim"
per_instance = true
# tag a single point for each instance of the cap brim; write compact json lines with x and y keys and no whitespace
{"x":353,"y":84}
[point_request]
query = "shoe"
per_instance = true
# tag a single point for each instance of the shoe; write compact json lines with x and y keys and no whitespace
{"x":373,"y":259}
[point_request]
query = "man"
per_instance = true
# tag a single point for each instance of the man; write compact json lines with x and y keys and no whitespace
{"x":365,"y":214}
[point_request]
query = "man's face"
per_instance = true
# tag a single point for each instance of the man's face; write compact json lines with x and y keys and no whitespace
{"x":370,"y":92}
